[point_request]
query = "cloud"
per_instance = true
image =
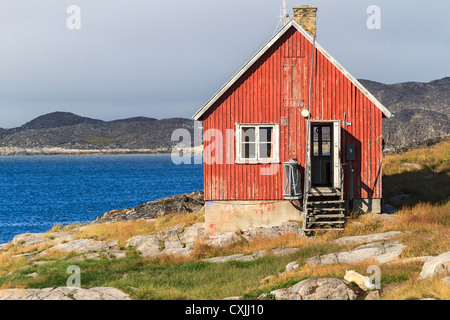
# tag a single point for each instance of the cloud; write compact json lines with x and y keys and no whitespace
{"x":167,"y":58}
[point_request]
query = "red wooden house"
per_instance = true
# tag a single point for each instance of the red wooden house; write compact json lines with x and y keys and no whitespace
{"x":291,"y":136}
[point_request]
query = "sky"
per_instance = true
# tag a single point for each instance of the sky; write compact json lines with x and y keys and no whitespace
{"x":162,"y":59}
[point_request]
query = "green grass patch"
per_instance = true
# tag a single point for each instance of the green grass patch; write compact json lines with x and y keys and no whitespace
{"x":156,"y":279}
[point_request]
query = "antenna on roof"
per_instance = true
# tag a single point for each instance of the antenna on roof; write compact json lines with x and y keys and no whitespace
{"x":285,"y":14}
{"x":283,"y":17}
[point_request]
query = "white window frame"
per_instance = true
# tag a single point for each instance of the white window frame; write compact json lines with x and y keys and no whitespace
{"x":275,"y":142}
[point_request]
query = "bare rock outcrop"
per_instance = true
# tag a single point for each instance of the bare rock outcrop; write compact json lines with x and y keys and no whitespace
{"x":439,"y":265}
{"x":64,"y":293}
{"x":382,"y":252}
{"x":27,"y":239}
{"x":174,"y":240}
{"x":349,"y":240}
{"x":327,"y":288}
{"x":191,"y":202}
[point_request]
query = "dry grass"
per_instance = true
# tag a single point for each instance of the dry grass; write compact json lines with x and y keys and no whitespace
{"x":429,"y":227}
{"x":122,"y":231}
{"x":33,"y":248}
{"x":435,"y":159}
{"x":414,"y":289}
{"x":426,"y":228}
{"x":9,"y":285}
{"x":9,"y":263}
{"x":429,"y":182}
{"x":390,"y":273}
{"x":52,"y":254}
{"x":288,"y":240}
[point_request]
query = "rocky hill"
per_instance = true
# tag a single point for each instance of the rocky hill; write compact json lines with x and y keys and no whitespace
{"x":421,"y":114}
{"x":421,"y":111}
{"x":69,"y":131}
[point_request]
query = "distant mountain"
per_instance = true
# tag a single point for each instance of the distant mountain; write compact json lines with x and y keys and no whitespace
{"x":57,"y":120}
{"x":70,"y":131}
{"x":421,"y":111}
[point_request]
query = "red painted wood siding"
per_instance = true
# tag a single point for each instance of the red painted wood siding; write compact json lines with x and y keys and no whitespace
{"x":259,"y":96}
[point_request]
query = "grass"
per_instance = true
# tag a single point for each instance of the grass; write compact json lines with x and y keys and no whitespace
{"x":166,"y":278}
{"x":288,"y":240}
{"x":429,"y":184}
{"x":122,"y":231}
{"x":423,"y":216}
{"x":414,"y":289}
{"x":433,"y":159}
{"x":390,"y":273}
{"x":9,"y":263}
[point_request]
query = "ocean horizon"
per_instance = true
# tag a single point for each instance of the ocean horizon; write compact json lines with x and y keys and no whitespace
{"x":40,"y":191}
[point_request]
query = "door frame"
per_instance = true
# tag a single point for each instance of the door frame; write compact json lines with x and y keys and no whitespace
{"x":335,"y":146}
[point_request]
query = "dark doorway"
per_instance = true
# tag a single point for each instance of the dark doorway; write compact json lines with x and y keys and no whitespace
{"x":321,"y":155}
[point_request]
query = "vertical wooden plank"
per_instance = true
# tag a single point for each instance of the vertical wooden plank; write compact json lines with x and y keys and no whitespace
{"x":211,"y":118}
{"x":363,"y":146}
{"x":344,"y":138}
{"x":278,"y":68}
{"x":357,"y":163}
{"x":206,"y":173}
{"x":244,"y":176}
{"x":245,"y":101}
{"x":255,"y":110}
{"x":379,"y":120}
{"x":213,"y":169}
{"x":323,"y":65}
{"x":228,"y":194}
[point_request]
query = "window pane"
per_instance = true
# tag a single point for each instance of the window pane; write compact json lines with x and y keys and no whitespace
{"x":315,"y":148}
{"x":265,"y":150}
{"x":326,"y":148}
{"x":248,"y":150}
{"x":316,"y":131}
{"x":326,"y":133}
{"x":266,"y":134}
{"x":248,"y":134}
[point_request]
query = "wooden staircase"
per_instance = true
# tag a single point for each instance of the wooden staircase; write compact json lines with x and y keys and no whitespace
{"x":323,"y":210}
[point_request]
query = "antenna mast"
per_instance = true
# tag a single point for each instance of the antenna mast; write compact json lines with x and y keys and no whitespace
{"x":285,"y":14}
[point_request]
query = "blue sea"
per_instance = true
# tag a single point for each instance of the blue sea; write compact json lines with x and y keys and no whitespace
{"x":38,"y":192}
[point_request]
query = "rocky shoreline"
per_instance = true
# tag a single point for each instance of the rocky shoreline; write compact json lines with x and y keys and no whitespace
{"x":50,"y":151}
{"x":192,"y":202}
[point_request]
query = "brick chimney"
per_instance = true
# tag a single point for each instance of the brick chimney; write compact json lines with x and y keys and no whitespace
{"x":306,"y":17}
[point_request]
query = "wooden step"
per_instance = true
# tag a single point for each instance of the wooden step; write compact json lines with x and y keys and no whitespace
{"x":331,"y":194}
{"x":326,"y":202}
{"x":324,"y":190}
{"x":328,"y":216}
{"x":326,"y":209}
{"x":326,"y":222}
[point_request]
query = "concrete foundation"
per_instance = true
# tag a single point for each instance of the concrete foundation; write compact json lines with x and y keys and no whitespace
{"x":367,"y":205}
{"x":230,"y":216}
